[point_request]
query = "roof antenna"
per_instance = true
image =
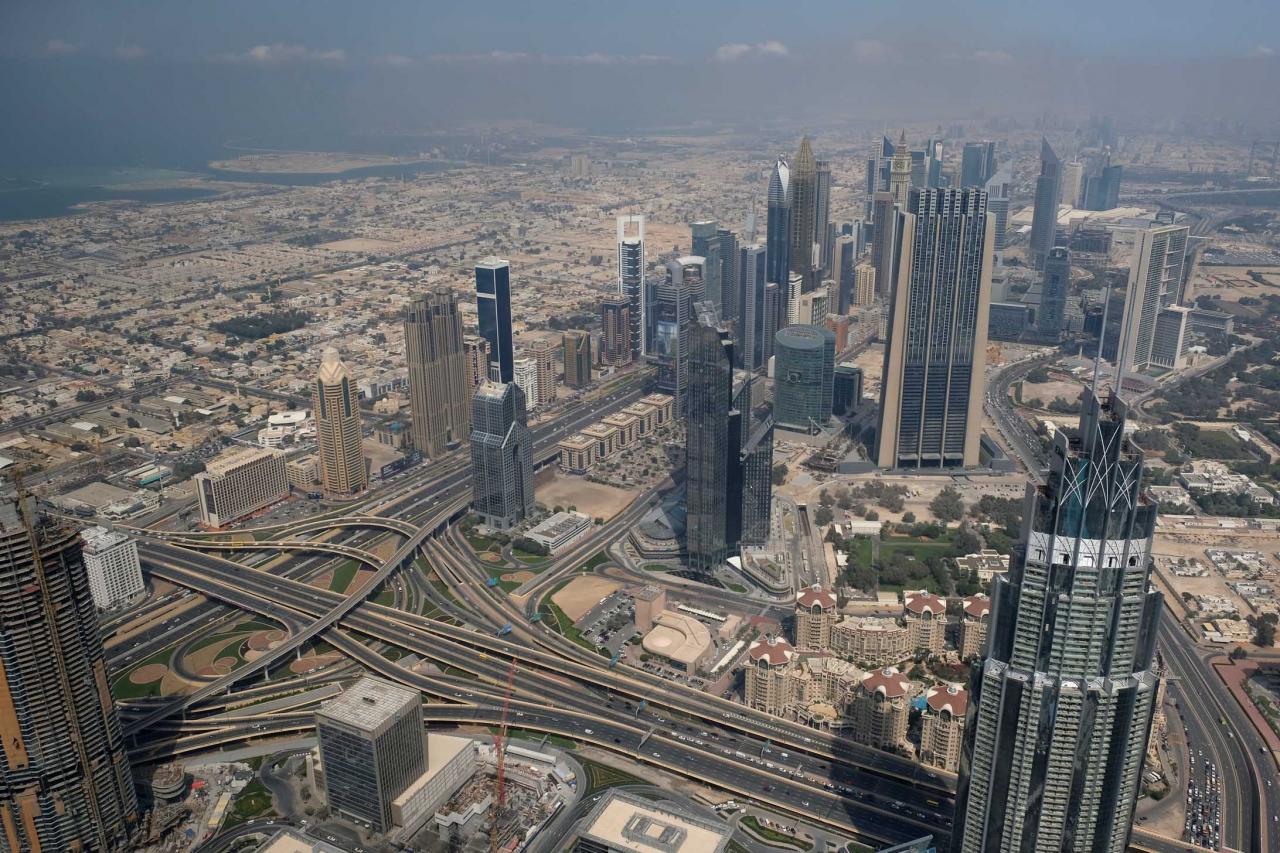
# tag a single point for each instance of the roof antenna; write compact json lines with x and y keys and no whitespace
{"x":1102,"y":337}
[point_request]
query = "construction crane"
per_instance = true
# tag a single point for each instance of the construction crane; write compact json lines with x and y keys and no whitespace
{"x":500,"y":752}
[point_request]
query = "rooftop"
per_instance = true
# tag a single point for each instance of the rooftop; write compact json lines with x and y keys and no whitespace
{"x":774,"y":651}
{"x":625,"y":821}
{"x":952,"y":698}
{"x":369,"y":703}
{"x":816,"y":596}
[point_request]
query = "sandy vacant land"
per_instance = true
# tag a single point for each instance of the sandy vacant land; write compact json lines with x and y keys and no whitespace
{"x":583,"y":593}
{"x":358,"y":244}
{"x":594,"y":499}
{"x":1231,"y":283}
{"x":148,"y":673}
{"x":518,"y":577}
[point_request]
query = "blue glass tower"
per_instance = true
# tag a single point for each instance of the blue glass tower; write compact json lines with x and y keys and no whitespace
{"x":493,"y":305}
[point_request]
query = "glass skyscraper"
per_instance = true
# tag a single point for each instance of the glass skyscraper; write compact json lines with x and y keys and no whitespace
{"x":778,"y":224}
{"x":631,"y":280}
{"x":501,"y":455}
{"x":439,"y":389}
{"x":1051,"y":317}
{"x":751,"y":327}
{"x":1060,"y":708}
{"x":803,"y":377}
{"x":493,"y":310}
{"x":705,"y":239}
{"x":935,"y":356}
{"x":1044,"y":215}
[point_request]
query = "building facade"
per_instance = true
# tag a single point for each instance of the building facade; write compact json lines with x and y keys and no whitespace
{"x":767,"y":681}
{"x":239,"y":483}
{"x":713,"y":482}
{"x":815,"y":617}
{"x":705,"y":243}
{"x":778,"y":225}
{"x":751,"y":327}
{"x":631,"y":281}
{"x":475,"y":352}
{"x":1155,"y":284}
{"x":880,"y":710}
{"x":501,"y":455}
{"x":111,"y":562}
{"x":615,"y":331}
{"x":1044,"y":214}
{"x":936,"y":355}
{"x":926,"y":617}
{"x":803,"y":191}
{"x":65,"y":782}
{"x":1051,"y":316}
{"x":493,"y":315}
{"x":942,"y":726}
{"x":339,"y":435}
{"x":439,"y":384}
{"x":1060,"y":709}
{"x":577,"y":358}
{"x":871,"y":640}
{"x":804,"y":377}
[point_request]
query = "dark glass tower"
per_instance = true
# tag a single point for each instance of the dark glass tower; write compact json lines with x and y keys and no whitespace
{"x":713,"y":481}
{"x":778,"y":224}
{"x":756,"y":461}
{"x":501,"y":455}
{"x":1051,"y":317}
{"x":493,"y":310}
{"x":1044,"y":216}
{"x":750,"y":328}
{"x":804,"y":373}
{"x":730,"y":306}
{"x":705,"y":239}
{"x":64,"y":774}
{"x":935,"y":356}
{"x":803,"y":193}
{"x":631,"y":280}
{"x":1060,"y":708}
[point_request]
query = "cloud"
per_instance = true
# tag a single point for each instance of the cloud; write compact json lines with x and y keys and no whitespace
{"x":130,"y":52}
{"x":1262,"y":51}
{"x":551,"y":59}
{"x":873,"y":52}
{"x":280,"y":54}
{"x":993,"y":57}
{"x":734,"y":51}
{"x":58,"y":47}
{"x":394,"y":60}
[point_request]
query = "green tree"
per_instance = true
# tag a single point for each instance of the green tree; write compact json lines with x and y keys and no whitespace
{"x":822,"y":517}
{"x":947,"y":505}
{"x":779,"y":474}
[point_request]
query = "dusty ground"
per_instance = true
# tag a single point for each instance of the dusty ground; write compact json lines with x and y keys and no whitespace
{"x":149,"y":673}
{"x":1231,"y":283}
{"x":596,"y":499}
{"x":358,"y":244}
{"x":1188,"y":544}
{"x":519,"y":577}
{"x":921,"y":491}
{"x":386,"y":547}
{"x":583,"y":593}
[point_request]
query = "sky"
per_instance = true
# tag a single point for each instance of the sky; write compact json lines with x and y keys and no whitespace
{"x":136,"y":78}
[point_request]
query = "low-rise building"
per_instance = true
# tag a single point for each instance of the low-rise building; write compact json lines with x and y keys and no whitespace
{"x":662,"y":404}
{"x":623,"y":822}
{"x":577,"y":453}
{"x":627,"y":427}
{"x":942,"y":726}
{"x":682,"y":641}
{"x":605,"y":437}
{"x":987,"y":563}
{"x":560,"y":529}
{"x":451,"y":761}
{"x":871,"y":640}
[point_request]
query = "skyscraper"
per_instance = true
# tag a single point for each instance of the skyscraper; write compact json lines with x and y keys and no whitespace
{"x":778,"y":224}
{"x":501,"y":455}
{"x":705,"y":239}
{"x":1155,"y":283}
{"x":804,"y":371}
{"x":900,"y":172}
{"x":438,"y":386}
{"x":844,"y":256}
{"x":1051,"y":318}
{"x":713,"y":484}
{"x":544,"y":357}
{"x":1060,"y":709}
{"x":804,"y":208}
{"x":577,"y":358}
{"x":64,"y":773}
{"x":877,"y":176}
{"x":673,"y":315}
{"x":756,"y":462}
{"x":1044,"y":216}
{"x":935,"y":358}
{"x":730,"y":309}
{"x":1072,"y":183}
{"x":475,"y":353}
{"x":336,"y":407}
{"x":615,"y":334}
{"x":977,"y":163}
{"x":884,"y":242}
{"x":822,"y":215}
{"x":750,"y":328}
{"x":1102,"y":190}
{"x":864,"y":284}
{"x":631,"y":279}
{"x":998,"y":204}
{"x":526,"y":379}
{"x":774,"y":318}
{"x":493,"y":312}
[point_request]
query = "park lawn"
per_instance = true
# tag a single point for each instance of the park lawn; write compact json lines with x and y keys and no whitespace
{"x":738,"y":588}
{"x":918,"y":548}
{"x":772,"y":836}
{"x":658,"y":567}
{"x":526,"y":557}
{"x":863,"y":550}
{"x":387,"y":597}
{"x":505,"y":586}
{"x":483,"y":543}
{"x":531,"y":735}
{"x":343,"y":576}
{"x":253,"y":801}
{"x":123,"y":688}
{"x":601,"y":776}
{"x":596,"y":561}
{"x":560,"y":621}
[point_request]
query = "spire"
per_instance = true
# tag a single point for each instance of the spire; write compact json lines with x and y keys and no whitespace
{"x":1047,"y":154}
{"x":805,"y":164}
{"x":902,"y":140}
{"x":332,"y":368}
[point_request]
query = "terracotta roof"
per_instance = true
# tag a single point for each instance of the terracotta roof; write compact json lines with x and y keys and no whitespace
{"x":816,"y":596}
{"x":977,"y":606}
{"x":922,"y":602}
{"x":774,"y":651}
{"x":952,"y":697}
{"x":888,"y":681}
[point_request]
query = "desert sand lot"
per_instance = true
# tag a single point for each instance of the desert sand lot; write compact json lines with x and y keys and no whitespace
{"x":594,"y":499}
{"x":583,"y":593}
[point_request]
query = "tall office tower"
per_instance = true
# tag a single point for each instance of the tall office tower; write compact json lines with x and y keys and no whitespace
{"x":812,"y":307}
{"x":631,"y":279}
{"x":64,"y":773}
{"x":900,"y":172}
{"x":936,"y":356}
{"x":577,"y":358}
{"x":544,"y":356}
{"x":1155,"y":282}
{"x":804,"y":208}
{"x":713,"y":482}
{"x":439,"y":389}
{"x":756,"y":464}
{"x":493,"y":313}
{"x":795,"y":289}
{"x":615,"y":334}
{"x":501,"y":455}
{"x":475,"y":354}
{"x":673,"y":315}
{"x":844,"y":257}
{"x":1060,"y":709}
{"x":526,"y":378}
{"x":822,"y":215}
{"x":1072,"y":183}
{"x":933,"y":163}
{"x":239,"y":482}
{"x":977,"y":164}
{"x":336,"y":407}
{"x":1044,"y":217}
{"x":111,"y":562}
{"x":803,"y":377}
{"x":884,"y":242}
{"x":706,"y":245}
{"x":778,"y":224}
{"x":1102,"y":190}
{"x":774,"y":317}
{"x":750,"y":328}
{"x":864,"y":284}
{"x":730,"y":308}
{"x":1051,"y":318}
{"x":998,"y":204}
{"x":372,"y":747}
{"x":877,"y":177}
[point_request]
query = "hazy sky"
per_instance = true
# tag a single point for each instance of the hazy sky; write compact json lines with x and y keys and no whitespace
{"x":127,"y":75}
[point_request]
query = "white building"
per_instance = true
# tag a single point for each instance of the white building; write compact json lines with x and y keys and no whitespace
{"x":526,"y":376}
{"x":111,"y":561}
{"x":560,"y":529}
{"x":451,"y":761}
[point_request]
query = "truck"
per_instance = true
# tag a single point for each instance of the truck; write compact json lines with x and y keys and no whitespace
{"x":504,"y":630}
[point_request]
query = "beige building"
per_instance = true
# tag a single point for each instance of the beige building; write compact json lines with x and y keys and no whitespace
{"x":815,"y":616}
{"x":986,"y":563}
{"x":680,"y":640}
{"x":926,"y":617}
{"x":336,"y":408}
{"x":543,"y":355}
{"x":627,"y":429}
{"x":303,"y":473}
{"x":828,"y":680}
{"x":240,"y":482}
{"x":577,"y":453}
{"x":871,"y":640}
{"x":577,"y":358}
{"x":662,"y":403}
{"x":768,"y":677}
{"x":880,"y":709}
{"x":439,"y":393}
{"x":942,"y":726}
{"x":973,"y":625}
{"x":864,"y":284}
{"x":605,"y":437}
{"x":475,"y":350}
{"x":649,"y":601}
{"x":646,"y":417}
